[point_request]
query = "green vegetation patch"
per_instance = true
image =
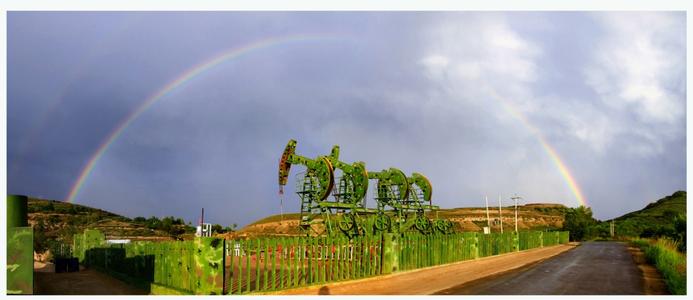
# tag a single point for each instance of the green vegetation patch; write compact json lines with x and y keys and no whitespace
{"x":671,"y":263}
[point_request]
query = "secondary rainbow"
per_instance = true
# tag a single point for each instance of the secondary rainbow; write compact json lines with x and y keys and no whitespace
{"x":184,"y":77}
{"x":555,"y":158}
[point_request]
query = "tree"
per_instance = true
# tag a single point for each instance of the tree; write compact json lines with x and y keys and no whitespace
{"x":40,"y":237}
{"x":72,"y":210}
{"x":580,"y":223}
{"x":166,"y":224}
{"x":153,"y":222}
{"x":680,"y":228}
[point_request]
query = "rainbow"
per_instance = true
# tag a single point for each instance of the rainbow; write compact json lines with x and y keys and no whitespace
{"x":555,"y":158}
{"x":184,"y":77}
{"x":269,"y":42}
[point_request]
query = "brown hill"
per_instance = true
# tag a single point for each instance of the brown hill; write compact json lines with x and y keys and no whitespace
{"x":533,"y":216}
{"x":55,"y":223}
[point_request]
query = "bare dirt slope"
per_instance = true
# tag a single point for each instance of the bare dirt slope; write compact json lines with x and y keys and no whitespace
{"x":533,"y":216}
{"x":431,"y":280}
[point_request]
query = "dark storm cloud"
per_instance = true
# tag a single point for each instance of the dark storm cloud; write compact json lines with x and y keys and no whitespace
{"x":408,"y":90}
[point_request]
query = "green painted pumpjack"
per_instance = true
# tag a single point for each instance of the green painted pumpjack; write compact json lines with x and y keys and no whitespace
{"x":407,"y":198}
{"x":313,"y":186}
{"x":345,"y":209}
{"x":350,"y":192}
{"x":400,"y":199}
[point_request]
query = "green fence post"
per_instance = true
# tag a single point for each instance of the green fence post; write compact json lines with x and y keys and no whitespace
{"x":248,"y":253}
{"x":309,"y":261}
{"x":344,"y":246}
{"x":541,"y":239}
{"x":241,"y":254}
{"x":232,"y":271}
{"x":297,"y":258}
{"x":209,"y":261}
{"x":316,"y":260}
{"x":328,"y":259}
{"x":390,"y":251}
{"x":303,"y":276}
{"x":352,"y":258}
{"x":369,"y":256}
{"x":291,"y":244}
{"x":364,"y":256}
{"x":273,"y":260}
{"x":414,"y":251}
{"x":357,"y":254}
{"x":283,"y":263}
{"x":258,"y":264}
{"x":323,"y":260}
{"x":334,"y":259}
{"x":421,"y":247}
{"x":403,"y":259}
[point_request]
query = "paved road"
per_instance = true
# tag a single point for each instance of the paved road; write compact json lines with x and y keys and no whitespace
{"x":594,"y":268}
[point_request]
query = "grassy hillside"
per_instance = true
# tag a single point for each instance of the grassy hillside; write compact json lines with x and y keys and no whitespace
{"x":55,"y":222}
{"x":659,"y":211}
{"x":657,"y":218}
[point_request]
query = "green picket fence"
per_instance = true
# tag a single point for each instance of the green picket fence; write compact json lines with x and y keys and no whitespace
{"x":89,"y":239}
{"x":169,"y":265}
{"x":419,"y":251}
{"x":215,"y":266}
{"x":563,"y":237}
{"x":550,"y":238}
{"x":270,"y":264}
{"x":530,"y":239}
{"x":175,"y":267}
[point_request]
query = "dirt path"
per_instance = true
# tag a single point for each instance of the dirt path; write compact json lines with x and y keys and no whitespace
{"x":653,"y":282}
{"x":594,"y":268}
{"x":84,"y":282}
{"x":430,"y":280}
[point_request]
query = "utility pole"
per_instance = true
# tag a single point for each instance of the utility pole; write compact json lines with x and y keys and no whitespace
{"x":515,"y":199}
{"x":500,"y":212}
{"x":612,"y":228}
{"x":488,"y":217}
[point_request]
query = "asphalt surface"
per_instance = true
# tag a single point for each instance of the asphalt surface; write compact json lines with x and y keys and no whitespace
{"x":593,"y":268}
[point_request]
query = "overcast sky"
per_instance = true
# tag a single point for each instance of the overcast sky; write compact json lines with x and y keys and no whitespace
{"x":464,"y":98}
